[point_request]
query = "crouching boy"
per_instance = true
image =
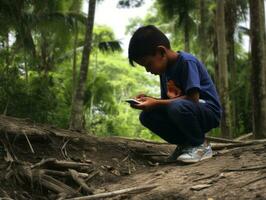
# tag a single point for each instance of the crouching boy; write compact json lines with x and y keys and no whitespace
{"x":189,"y":105}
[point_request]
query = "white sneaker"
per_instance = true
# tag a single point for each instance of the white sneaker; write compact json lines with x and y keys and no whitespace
{"x":195,"y":154}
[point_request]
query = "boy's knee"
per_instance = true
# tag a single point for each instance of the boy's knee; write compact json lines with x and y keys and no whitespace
{"x":178,"y":107}
{"x":143,"y":118}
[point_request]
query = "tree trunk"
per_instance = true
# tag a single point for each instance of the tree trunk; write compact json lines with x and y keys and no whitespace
{"x":203,"y":30}
{"x":7,"y":49}
{"x":74,"y":69}
{"x":222,"y":62}
{"x":230,"y":23}
{"x":76,"y":118}
{"x":215,"y":61}
{"x":257,"y":26}
{"x":44,"y":56}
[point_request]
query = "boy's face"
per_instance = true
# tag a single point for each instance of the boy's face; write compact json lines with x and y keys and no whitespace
{"x":155,"y":64}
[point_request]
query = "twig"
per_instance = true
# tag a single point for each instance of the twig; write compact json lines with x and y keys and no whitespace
{"x":60,"y":173}
{"x":117,"y":192}
{"x":223,"y":140}
{"x":246,"y":143}
{"x":70,"y":164}
{"x":140,"y":140}
{"x":200,"y":187}
{"x":80,"y":181}
{"x":205,"y":177}
{"x":60,"y":163}
{"x":63,"y":149}
{"x":155,"y":154}
{"x":243,"y":137}
{"x":253,"y":181}
{"x":225,"y":151}
{"x":43,"y":162}
{"x":247,"y":168}
{"x":92,"y":175}
{"x":31,"y":148}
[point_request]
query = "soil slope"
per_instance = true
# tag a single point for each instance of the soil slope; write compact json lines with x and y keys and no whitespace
{"x":44,"y":162}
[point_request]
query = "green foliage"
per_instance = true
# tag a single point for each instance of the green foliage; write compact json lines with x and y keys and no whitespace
{"x":112,"y":81}
{"x":35,"y":100}
{"x":36,"y":61}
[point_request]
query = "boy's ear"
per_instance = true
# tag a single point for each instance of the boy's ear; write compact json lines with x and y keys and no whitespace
{"x":161,"y":50}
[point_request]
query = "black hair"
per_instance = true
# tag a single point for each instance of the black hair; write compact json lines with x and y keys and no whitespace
{"x":144,"y":42}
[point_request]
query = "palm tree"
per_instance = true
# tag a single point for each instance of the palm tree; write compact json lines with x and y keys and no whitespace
{"x":258,"y":71}
{"x":34,"y":26}
{"x":179,"y":12}
{"x":77,"y":118}
{"x":222,"y":63}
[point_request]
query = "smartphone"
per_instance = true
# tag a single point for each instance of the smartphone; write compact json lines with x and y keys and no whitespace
{"x":132,"y":101}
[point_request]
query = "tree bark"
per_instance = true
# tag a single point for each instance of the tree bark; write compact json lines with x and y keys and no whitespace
{"x":230,"y":25}
{"x":77,"y":116}
{"x":202,"y":30}
{"x":74,"y":68}
{"x":257,"y":25}
{"x":222,"y":62}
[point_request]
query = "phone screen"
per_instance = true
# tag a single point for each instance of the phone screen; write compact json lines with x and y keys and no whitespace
{"x":132,"y":101}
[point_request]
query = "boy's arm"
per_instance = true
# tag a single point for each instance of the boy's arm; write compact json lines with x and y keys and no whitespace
{"x":148,"y":102}
{"x":192,"y":95}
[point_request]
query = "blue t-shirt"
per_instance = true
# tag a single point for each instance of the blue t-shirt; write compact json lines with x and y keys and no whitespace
{"x":189,"y":73}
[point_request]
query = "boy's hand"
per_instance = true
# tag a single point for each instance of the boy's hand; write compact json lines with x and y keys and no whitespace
{"x":146,"y":103}
{"x":140,"y":96}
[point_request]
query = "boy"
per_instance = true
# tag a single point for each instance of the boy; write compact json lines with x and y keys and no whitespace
{"x":189,"y":105}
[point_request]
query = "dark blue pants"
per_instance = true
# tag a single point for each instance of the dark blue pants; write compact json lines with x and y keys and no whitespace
{"x":180,"y":122}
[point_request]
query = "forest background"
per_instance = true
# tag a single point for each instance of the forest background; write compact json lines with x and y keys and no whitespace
{"x":41,"y":49}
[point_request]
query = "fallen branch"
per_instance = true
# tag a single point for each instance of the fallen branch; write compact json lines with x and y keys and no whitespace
{"x":63,"y":174}
{"x":60,"y":163}
{"x":244,"y":137}
{"x":155,"y":154}
{"x":254,"y":180}
{"x":117,"y":192}
{"x":248,"y":168}
{"x":43,"y":162}
{"x":206,"y":177}
{"x":200,"y":187}
{"x":37,"y":176}
{"x":246,"y":143}
{"x":222,"y":140}
{"x":70,"y":164}
{"x":55,"y":185}
{"x":74,"y":174}
{"x":140,"y":140}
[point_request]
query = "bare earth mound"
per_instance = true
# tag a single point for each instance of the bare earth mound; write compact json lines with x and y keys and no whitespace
{"x":44,"y":162}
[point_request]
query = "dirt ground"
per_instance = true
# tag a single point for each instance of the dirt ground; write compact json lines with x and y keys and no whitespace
{"x":112,"y":163}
